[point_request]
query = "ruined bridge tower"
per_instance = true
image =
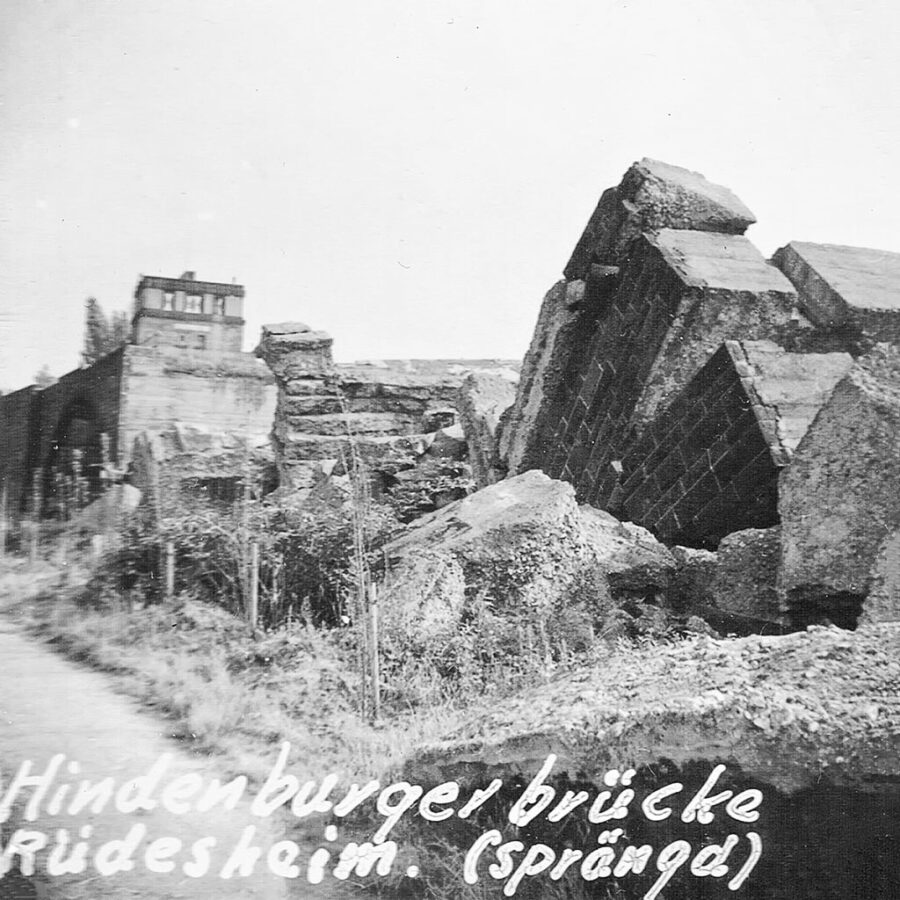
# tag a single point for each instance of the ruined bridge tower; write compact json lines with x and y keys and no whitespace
{"x":186,"y":314}
{"x":181,"y":386}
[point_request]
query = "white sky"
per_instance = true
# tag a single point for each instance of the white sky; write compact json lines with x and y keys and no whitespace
{"x":409,"y":175}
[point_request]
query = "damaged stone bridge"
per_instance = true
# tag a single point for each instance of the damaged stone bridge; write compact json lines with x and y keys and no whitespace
{"x":680,"y":381}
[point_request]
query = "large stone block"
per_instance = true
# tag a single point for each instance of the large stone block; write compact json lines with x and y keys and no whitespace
{"x":839,"y":499}
{"x":883,"y":601}
{"x":744,"y":587}
{"x":482,"y":399}
{"x":293,"y":350}
{"x":651,"y":196}
{"x":517,"y":540}
{"x":680,"y":296}
{"x":708,"y":465}
{"x":524,"y":543}
{"x":730,"y":292}
{"x":550,"y":372}
{"x":853,"y":292}
{"x":734,"y":588}
{"x":690,"y":588}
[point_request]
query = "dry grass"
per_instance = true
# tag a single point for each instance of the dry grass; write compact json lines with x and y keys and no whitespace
{"x":222,"y":689}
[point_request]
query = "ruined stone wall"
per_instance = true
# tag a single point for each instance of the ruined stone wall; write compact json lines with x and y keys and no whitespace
{"x":225,"y":393}
{"x":76,"y":410}
{"x":380,"y":410}
{"x":17,"y":438}
{"x":130,"y":392}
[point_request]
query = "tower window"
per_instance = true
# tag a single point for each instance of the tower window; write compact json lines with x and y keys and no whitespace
{"x":219,"y":306}
{"x":168,"y":301}
{"x":193,"y":303}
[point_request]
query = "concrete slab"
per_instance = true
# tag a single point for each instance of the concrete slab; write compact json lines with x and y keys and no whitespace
{"x":654,"y":195}
{"x":669,"y":191}
{"x":834,"y":281}
{"x":793,"y":386}
{"x":713,"y":260}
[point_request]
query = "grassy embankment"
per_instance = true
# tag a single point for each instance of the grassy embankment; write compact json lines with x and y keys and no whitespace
{"x":229,"y":692}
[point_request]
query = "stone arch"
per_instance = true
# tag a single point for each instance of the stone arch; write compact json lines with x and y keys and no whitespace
{"x":79,"y":429}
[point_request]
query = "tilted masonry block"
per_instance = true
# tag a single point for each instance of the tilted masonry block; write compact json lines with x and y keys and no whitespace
{"x":730,"y":292}
{"x":654,"y":195}
{"x":744,"y":412}
{"x":851,"y":292}
{"x":482,"y":399}
{"x":566,"y":322}
{"x":681,"y":294}
{"x":839,"y":500}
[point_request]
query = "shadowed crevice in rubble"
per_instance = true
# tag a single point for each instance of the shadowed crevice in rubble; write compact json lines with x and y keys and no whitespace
{"x":816,"y":605}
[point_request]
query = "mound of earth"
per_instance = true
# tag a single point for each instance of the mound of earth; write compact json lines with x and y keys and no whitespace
{"x":811,"y":720}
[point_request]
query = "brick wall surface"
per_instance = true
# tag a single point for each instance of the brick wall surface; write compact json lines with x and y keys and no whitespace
{"x":17,"y":440}
{"x":558,"y":353}
{"x":680,"y":295}
{"x":708,"y":465}
{"x":704,"y":467}
{"x":611,"y":374}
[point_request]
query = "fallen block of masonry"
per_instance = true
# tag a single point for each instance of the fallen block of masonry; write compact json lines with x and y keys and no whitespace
{"x":675,"y":377}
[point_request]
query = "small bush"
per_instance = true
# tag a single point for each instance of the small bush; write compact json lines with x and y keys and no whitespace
{"x":306,"y":560}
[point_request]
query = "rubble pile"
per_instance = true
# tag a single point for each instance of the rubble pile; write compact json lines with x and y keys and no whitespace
{"x":398,"y":419}
{"x":682,"y":382}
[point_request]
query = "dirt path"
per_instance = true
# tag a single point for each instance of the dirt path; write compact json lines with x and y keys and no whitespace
{"x":49,"y":705}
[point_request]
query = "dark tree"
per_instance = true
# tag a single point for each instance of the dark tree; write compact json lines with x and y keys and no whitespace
{"x":102,"y":335}
{"x":44,"y":377}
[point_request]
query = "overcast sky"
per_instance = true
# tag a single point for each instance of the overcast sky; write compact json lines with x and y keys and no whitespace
{"x":409,"y":175}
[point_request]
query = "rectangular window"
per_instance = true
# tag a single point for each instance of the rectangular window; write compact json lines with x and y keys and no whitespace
{"x":168,"y":300}
{"x":193,"y":303}
{"x":219,"y":306}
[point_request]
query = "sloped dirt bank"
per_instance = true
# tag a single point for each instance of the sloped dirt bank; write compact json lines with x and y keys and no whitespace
{"x":810,"y":720}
